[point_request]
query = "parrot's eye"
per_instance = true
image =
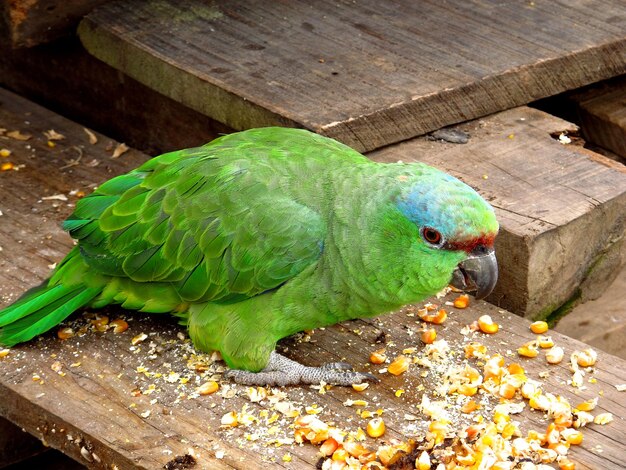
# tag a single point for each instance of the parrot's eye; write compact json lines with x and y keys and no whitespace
{"x":432,"y":236}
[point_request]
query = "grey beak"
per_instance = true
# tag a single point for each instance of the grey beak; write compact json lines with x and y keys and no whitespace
{"x":478,"y":272}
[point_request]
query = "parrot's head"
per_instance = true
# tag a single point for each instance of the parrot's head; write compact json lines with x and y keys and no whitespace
{"x":454,"y":226}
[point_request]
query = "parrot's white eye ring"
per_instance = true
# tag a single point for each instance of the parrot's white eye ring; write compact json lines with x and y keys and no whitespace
{"x":432,"y":236}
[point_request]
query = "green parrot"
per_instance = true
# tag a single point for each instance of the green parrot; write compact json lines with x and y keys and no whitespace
{"x":261,"y":234}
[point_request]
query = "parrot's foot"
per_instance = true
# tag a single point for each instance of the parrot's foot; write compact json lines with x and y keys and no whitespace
{"x":282,"y":371}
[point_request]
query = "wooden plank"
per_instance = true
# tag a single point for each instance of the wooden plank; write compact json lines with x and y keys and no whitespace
{"x":110,"y":404}
{"x":368,"y":73}
{"x":602,"y":113}
{"x":70,"y":81}
{"x":31,"y":22}
{"x":546,"y":195}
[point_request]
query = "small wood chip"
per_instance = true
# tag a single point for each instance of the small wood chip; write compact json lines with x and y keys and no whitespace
{"x":93,"y":139}
{"x":53,"y":135}
{"x":17,"y":135}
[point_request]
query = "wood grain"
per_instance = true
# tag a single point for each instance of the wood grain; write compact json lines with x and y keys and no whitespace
{"x":368,"y":73}
{"x":31,"y":22}
{"x":110,"y":404}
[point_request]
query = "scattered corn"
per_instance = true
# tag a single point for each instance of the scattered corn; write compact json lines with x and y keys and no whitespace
{"x":65,"y":333}
{"x":375,"y":427}
{"x":230,"y":419}
{"x":430,"y":316}
{"x":429,"y":336}
{"x":119,"y":326}
{"x":5,"y":153}
{"x":528,"y":350}
{"x":399,"y":365}
{"x":566,"y":464}
{"x":329,"y":446}
{"x":462,"y":301}
{"x":470,"y":406}
{"x":4,"y":353}
{"x":555,"y":355}
{"x":572,"y":436}
{"x":539,"y":327}
{"x":545,"y":342}
{"x":586,"y":358}
{"x":423,"y":461}
{"x":101,"y":323}
{"x":603,"y":418}
{"x":6,"y":166}
{"x":360,"y":387}
{"x":207,"y":388}
{"x":486,"y":325}
{"x":140,"y":338}
{"x":378,"y":356}
{"x":588,"y":405}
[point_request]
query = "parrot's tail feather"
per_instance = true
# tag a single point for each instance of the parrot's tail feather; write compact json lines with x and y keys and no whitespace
{"x":40,"y":309}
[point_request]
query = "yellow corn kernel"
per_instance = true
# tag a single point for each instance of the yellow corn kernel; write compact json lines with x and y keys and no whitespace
{"x":603,"y":418}
{"x":398,"y":393}
{"x":140,"y":338}
{"x":375,"y":427}
{"x":586,"y":358}
{"x":509,"y":431}
{"x":486,"y":325}
{"x":399,"y":365}
{"x":5,"y":153}
{"x":507,"y":390}
{"x":355,"y":449}
{"x":230,"y":419}
{"x":119,"y":326}
{"x":539,"y":402}
{"x":65,"y":333}
{"x":4,"y":353}
{"x":475,"y":349}
{"x":360,"y":387}
{"x":423,"y":461}
{"x":101,"y":323}
{"x":429,"y":336}
{"x":467,"y":389}
{"x":208,"y":388}
{"x":462,"y":301}
{"x":340,"y":455}
{"x":527,"y":350}
{"x":555,"y":355}
{"x":539,"y":327}
{"x":572,"y":436}
{"x":378,"y":356}
{"x":566,"y":464}
{"x":6,"y":166}
{"x":545,"y":342}
{"x":470,"y":406}
{"x":329,"y":446}
{"x":588,"y":405}
{"x":515,"y":368}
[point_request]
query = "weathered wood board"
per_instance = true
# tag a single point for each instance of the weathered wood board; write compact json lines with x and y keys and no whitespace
{"x":111,"y":404}
{"x":602,"y":113}
{"x":562,"y":209}
{"x":65,"y":78}
{"x":31,"y":22}
{"x":367,"y":73}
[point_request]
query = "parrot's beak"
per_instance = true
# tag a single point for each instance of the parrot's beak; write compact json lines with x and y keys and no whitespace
{"x":478,"y":272}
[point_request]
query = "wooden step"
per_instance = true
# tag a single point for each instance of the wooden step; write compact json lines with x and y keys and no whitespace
{"x":108,"y":403}
{"x":602,"y":112}
{"x":369,"y":73}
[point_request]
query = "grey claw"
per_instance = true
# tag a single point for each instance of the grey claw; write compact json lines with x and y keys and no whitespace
{"x":369,"y":377}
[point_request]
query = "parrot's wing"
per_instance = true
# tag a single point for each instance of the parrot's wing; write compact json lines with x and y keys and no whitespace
{"x":215,"y":227}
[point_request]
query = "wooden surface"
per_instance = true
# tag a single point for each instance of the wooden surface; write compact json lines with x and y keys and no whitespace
{"x":31,"y":22}
{"x":561,"y":208}
{"x":368,"y":73}
{"x":65,"y":78}
{"x":82,"y":395}
{"x":602,"y":113}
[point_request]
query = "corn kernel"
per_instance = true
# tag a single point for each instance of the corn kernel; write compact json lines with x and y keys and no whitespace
{"x":539,"y":402}
{"x":65,"y":333}
{"x":429,"y":336}
{"x":572,"y":436}
{"x":588,"y":405}
{"x":4,"y":353}
{"x":360,"y":387}
{"x":140,"y":338}
{"x":566,"y":464}
{"x":475,"y":349}
{"x":399,"y":365}
{"x":539,"y":327}
{"x":462,"y":301}
{"x":470,"y":406}
{"x":603,"y":418}
{"x":555,"y":355}
{"x":230,"y":419}
{"x":507,"y":391}
{"x":423,"y":461}
{"x":545,"y":342}
{"x":375,"y":427}
{"x":208,"y":388}
{"x":329,"y":446}
{"x":378,"y":356}
{"x":527,"y":350}
{"x":340,"y":455}
{"x":101,"y":323}
{"x":355,"y":449}
{"x":6,"y":166}
{"x":486,"y":325}
{"x":5,"y":153}
{"x":119,"y":326}
{"x":586,"y":358}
